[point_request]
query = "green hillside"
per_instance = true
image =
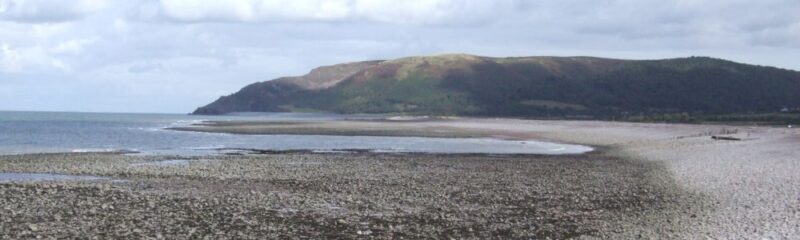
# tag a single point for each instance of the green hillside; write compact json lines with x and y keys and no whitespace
{"x":525,"y":87}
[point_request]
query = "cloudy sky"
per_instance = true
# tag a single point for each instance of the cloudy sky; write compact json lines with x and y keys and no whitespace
{"x":175,"y":55}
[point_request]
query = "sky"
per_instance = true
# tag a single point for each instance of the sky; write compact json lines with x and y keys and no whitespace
{"x":172,"y":56}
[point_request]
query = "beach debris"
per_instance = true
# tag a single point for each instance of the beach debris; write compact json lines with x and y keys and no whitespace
{"x":725,"y":138}
{"x":724,"y":131}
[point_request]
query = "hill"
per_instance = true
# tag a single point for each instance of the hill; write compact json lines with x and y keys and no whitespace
{"x":459,"y":84}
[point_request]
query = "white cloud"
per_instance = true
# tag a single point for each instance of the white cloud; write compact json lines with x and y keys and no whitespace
{"x":33,"y":59}
{"x":383,"y":11}
{"x":40,"y":48}
{"x":40,"y":11}
{"x":448,"y":12}
{"x":9,"y":59}
{"x":254,"y":10}
{"x":72,"y":46}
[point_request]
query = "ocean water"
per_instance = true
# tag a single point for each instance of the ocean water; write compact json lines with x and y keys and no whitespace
{"x":47,"y":132}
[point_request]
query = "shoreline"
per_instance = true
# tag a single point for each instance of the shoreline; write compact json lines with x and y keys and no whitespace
{"x":673,"y":181}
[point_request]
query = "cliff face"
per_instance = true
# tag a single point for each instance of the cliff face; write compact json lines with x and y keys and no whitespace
{"x":525,"y":86}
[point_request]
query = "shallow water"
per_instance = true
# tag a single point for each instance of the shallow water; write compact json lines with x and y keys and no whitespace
{"x":39,"y":177}
{"x":37,"y":132}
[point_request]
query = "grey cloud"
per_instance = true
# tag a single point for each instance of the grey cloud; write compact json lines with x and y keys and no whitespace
{"x":788,"y":36}
{"x":147,"y":67}
{"x":415,"y":12}
{"x":42,"y":11}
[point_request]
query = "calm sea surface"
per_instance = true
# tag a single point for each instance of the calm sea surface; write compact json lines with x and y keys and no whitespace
{"x":39,"y":132}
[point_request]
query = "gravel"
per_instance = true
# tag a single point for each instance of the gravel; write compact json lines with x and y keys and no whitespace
{"x":346,"y":195}
{"x":751,"y":187}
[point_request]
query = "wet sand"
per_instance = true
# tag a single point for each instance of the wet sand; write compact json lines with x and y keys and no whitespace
{"x":644,"y":181}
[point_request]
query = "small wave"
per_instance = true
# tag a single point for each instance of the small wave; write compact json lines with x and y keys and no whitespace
{"x":558,"y":149}
{"x":102,"y":150}
{"x":146,"y":129}
{"x":152,"y":129}
{"x":207,"y":148}
{"x":330,"y":151}
{"x":389,"y":150}
{"x":408,"y":118}
{"x":183,"y":123}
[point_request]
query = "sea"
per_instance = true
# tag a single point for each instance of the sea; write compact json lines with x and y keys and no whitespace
{"x":149,"y":134}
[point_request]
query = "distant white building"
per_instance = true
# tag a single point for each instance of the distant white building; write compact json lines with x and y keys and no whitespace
{"x":784,"y":109}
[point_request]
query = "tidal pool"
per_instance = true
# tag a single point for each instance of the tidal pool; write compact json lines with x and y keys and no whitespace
{"x":40,"y":177}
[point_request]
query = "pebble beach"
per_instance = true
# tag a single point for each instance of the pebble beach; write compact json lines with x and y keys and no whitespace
{"x":642,"y":181}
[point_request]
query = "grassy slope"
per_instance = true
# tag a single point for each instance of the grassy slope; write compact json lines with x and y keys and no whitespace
{"x":471,"y":85}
